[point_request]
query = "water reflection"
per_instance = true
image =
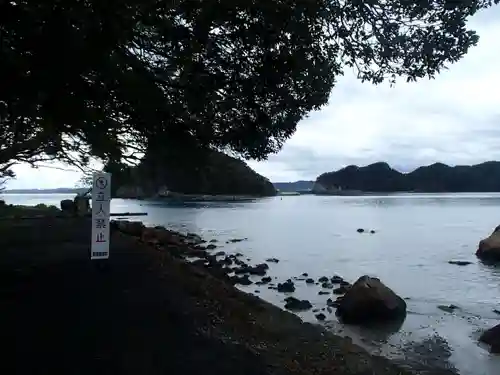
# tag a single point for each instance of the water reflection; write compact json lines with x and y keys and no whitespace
{"x":379,"y":332}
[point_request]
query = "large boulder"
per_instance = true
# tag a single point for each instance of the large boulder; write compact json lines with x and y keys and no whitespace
{"x":491,"y":337}
{"x":369,"y":300}
{"x":489,"y":248}
{"x":133,"y":228}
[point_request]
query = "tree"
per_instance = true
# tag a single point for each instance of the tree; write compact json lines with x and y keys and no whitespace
{"x":116,"y":79}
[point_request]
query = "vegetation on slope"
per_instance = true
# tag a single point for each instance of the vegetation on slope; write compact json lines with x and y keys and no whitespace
{"x":438,"y":177}
{"x":214,"y":174}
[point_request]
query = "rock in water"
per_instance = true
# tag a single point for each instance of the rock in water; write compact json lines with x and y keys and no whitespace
{"x":286,"y":287}
{"x":272,"y":260}
{"x":369,"y":300}
{"x":459,"y":262}
{"x":320,"y":316}
{"x":295,"y":304}
{"x":491,"y":337}
{"x":489,"y":248}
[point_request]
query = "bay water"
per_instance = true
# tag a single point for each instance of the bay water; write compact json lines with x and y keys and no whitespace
{"x":415,"y":237}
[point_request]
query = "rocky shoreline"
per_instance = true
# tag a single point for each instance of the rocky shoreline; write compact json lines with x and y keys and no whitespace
{"x":368,"y":300}
{"x":111,"y":317}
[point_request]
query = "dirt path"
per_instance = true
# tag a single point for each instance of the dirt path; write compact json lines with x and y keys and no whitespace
{"x":145,"y":313}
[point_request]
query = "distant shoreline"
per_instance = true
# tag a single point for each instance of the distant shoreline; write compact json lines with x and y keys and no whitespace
{"x":43,"y":191}
{"x":235,"y":197}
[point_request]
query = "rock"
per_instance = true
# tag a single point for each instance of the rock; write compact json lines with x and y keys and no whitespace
{"x":336,"y":280}
{"x":448,"y":309}
{"x":234,"y":240}
{"x":239,"y":262}
{"x":323,"y":279}
{"x":491,"y":337}
{"x":242,"y":280}
{"x":489,"y":248}
{"x":133,"y":228}
{"x":211,"y":246}
{"x":296,"y":304}
{"x":305,"y":274}
{"x":238,"y":255}
{"x":329,"y":309}
{"x":194,"y":238}
{"x":213,"y":240}
{"x":345,"y":283}
{"x":459,"y":262}
{"x":256,"y":291}
{"x":372,"y":231}
{"x":323,"y":292}
{"x":341,"y":289}
{"x":219,"y":253}
{"x":259,"y":269}
{"x":309,"y":281}
{"x":266,"y":279}
{"x":496,"y":311}
{"x":286,"y":287}
{"x":315,"y":310}
{"x":320,"y":316}
{"x":327,"y":285}
{"x":272,"y":260}
{"x":369,"y":300}
{"x":226,"y":261}
{"x":331,"y":303}
{"x":68,"y":206}
{"x":360,"y":230}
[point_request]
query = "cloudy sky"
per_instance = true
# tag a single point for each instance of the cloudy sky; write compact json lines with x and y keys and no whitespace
{"x":453,"y":119}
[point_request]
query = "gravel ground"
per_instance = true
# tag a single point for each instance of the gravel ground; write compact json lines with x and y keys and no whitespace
{"x":145,"y":312}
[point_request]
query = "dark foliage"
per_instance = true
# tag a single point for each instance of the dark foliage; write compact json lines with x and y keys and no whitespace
{"x":438,"y":177}
{"x":109,"y":79}
{"x":215,"y":174}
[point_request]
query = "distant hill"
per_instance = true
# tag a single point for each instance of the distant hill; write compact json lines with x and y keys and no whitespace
{"x":216,"y":174}
{"x":44,"y":191}
{"x":293,"y":186}
{"x":435,"y":178}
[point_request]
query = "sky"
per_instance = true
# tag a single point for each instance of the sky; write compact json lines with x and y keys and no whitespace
{"x":454,"y":119}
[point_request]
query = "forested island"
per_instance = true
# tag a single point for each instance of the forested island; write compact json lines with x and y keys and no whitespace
{"x":435,"y":178}
{"x":214,"y":173}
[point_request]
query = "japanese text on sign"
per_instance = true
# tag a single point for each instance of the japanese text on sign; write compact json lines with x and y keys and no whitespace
{"x":101,"y":199}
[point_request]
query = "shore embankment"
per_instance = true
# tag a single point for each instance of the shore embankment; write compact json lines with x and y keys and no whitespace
{"x":147,"y":310}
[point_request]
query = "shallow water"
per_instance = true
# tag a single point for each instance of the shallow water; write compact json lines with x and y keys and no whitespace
{"x":416,"y":236}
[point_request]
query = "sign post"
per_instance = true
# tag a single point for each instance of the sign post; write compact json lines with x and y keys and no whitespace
{"x":101,"y":209}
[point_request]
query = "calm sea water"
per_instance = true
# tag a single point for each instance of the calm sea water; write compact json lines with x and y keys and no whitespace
{"x":416,"y":236}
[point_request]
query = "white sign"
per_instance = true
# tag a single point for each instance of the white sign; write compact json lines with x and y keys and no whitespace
{"x":101,"y":199}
